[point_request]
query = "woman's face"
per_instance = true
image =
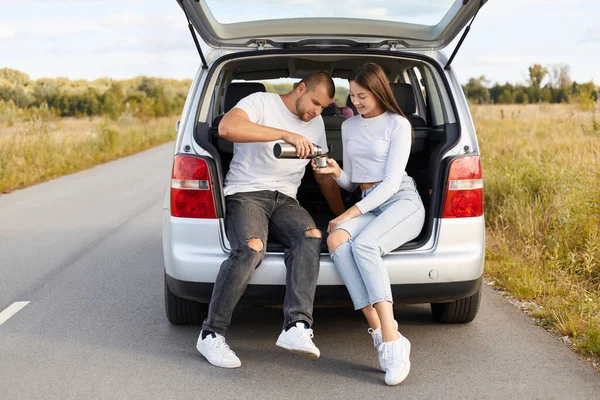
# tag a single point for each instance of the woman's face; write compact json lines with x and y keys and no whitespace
{"x":364,"y":100}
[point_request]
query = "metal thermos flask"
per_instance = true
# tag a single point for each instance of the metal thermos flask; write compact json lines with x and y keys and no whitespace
{"x":286,"y":150}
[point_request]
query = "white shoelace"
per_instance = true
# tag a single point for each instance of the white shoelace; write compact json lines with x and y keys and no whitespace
{"x":307,"y":334}
{"x":383,"y":349}
{"x":389,"y":347}
{"x":218,"y":342}
{"x":377,"y":339}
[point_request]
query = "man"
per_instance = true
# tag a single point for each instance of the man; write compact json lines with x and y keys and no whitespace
{"x":260,"y":197}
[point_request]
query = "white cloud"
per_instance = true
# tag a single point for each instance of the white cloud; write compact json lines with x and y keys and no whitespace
{"x":136,"y":20}
{"x":178,"y":64}
{"x":59,"y":2}
{"x":56,"y":28}
{"x":62,"y":28}
{"x":300,"y":2}
{"x":5,"y":33}
{"x":591,"y":35}
{"x":501,"y":60}
{"x":124,"y":20}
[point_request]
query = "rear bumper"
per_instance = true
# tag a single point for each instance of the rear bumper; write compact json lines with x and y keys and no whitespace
{"x":193,"y":252}
{"x":450,"y":269}
{"x":332,"y":294}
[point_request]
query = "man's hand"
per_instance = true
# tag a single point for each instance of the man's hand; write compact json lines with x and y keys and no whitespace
{"x":332,"y":168}
{"x":304,"y":147}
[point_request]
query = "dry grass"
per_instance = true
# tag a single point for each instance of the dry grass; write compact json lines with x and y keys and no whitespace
{"x":38,"y":149}
{"x":542,"y":191}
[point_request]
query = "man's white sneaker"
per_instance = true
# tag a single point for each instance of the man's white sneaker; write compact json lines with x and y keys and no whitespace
{"x":396,"y":358}
{"x":377,"y":341}
{"x":217,"y":352}
{"x":298,"y":339}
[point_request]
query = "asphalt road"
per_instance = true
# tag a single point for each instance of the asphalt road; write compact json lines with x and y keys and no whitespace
{"x":85,"y":251}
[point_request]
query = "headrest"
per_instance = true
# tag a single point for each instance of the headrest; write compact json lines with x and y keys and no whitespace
{"x":331,"y":109}
{"x":346,"y":111}
{"x":405,"y":97}
{"x":237,"y":91}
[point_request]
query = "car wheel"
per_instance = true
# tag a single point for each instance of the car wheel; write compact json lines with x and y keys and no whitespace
{"x":183,"y":311}
{"x":457,"y":312}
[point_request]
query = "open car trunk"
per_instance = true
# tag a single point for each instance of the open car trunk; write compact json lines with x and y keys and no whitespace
{"x":416,"y":84}
{"x":403,"y":23}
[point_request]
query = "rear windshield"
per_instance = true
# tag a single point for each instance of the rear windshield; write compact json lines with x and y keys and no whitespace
{"x":423,"y":12}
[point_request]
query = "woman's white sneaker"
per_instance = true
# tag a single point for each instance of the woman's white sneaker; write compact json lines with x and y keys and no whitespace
{"x":217,"y":352}
{"x":377,"y":341}
{"x":396,"y":358}
{"x":298,"y":339}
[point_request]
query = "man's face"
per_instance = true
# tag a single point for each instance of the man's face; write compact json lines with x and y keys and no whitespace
{"x":310,"y":104}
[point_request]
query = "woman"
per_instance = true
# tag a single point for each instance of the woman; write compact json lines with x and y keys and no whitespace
{"x":376,"y":150}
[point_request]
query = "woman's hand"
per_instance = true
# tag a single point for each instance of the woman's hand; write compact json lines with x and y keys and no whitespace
{"x":335,"y":222}
{"x":332,"y":168}
{"x":346,"y":216}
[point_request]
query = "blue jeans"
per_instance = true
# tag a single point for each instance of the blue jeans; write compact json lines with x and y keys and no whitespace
{"x":372,"y":235}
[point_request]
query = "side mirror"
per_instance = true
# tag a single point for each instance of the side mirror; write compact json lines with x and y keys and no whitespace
{"x":177,"y":125}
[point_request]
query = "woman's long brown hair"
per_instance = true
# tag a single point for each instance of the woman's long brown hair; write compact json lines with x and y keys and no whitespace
{"x":371,"y":77}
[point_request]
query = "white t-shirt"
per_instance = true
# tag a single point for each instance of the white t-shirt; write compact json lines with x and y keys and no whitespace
{"x":254,"y":167}
{"x":375,"y":149}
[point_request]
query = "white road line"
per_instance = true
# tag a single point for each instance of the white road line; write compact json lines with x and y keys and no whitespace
{"x":12,"y":310}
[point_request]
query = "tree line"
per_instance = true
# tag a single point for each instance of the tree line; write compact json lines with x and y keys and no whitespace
{"x":141,"y":96}
{"x":155,"y":97}
{"x":551,"y":84}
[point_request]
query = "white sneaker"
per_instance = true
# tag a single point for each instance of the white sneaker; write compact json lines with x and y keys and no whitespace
{"x":377,"y":341}
{"x":298,"y":339}
{"x":395,"y":356}
{"x":217,"y":352}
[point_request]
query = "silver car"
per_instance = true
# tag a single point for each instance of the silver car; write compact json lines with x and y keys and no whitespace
{"x":443,"y":266}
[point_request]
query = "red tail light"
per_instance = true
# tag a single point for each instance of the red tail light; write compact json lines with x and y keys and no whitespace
{"x":464,"y":193}
{"x":191,"y":189}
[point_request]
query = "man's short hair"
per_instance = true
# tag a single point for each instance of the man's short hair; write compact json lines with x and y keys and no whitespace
{"x":320,"y":78}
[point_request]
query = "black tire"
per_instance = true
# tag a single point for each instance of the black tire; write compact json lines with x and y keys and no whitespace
{"x":457,"y":312}
{"x":183,"y":311}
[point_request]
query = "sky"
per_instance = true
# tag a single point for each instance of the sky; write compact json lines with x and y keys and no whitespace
{"x":125,"y":38}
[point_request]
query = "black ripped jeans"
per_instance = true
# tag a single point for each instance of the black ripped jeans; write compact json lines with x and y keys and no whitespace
{"x":260,"y":215}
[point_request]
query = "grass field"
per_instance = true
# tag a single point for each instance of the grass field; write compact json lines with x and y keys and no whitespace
{"x":542,"y":203}
{"x":542,"y":192}
{"x":39,"y":149}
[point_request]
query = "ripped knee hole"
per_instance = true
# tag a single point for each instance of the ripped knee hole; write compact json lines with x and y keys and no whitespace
{"x":337,"y":245}
{"x":255,"y":244}
{"x":313,"y":233}
{"x":337,"y":238}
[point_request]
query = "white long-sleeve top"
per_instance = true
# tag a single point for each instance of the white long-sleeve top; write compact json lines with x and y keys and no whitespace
{"x":375,"y":149}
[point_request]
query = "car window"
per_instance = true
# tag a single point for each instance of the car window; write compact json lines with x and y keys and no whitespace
{"x":284,"y":85}
{"x":433,"y":95}
{"x":412,"y":76}
{"x":423,"y":91}
{"x":409,"y":11}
